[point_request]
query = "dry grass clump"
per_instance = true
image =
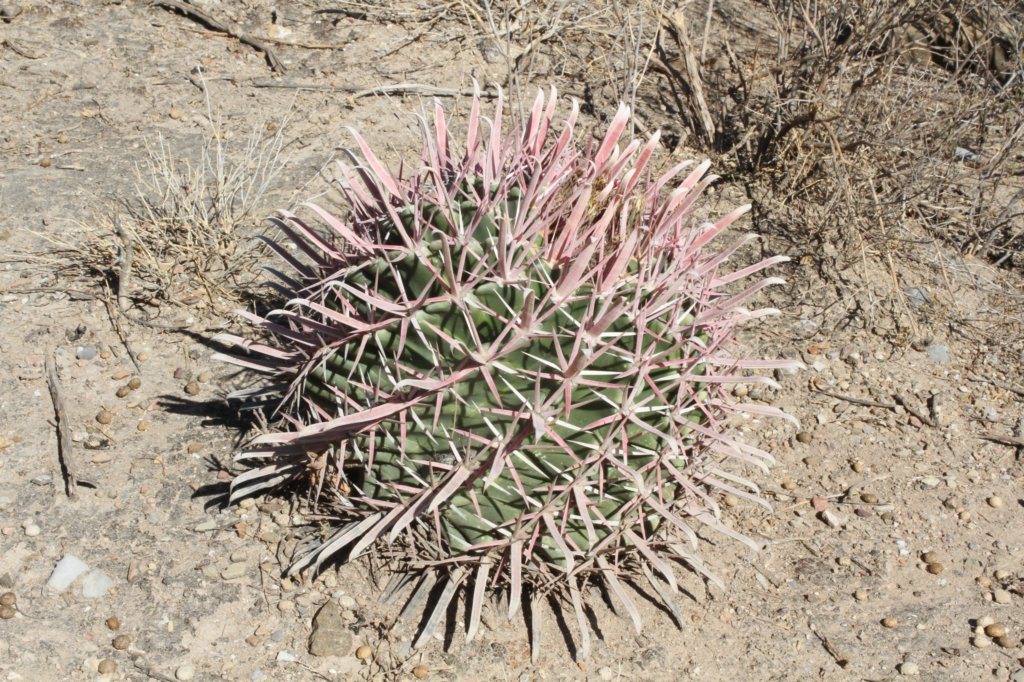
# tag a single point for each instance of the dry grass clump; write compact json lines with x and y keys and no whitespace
{"x":863,"y":132}
{"x":186,"y":232}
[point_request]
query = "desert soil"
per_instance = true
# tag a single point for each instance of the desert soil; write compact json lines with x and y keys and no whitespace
{"x":896,"y":523}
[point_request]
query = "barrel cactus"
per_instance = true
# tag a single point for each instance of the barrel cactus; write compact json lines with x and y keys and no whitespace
{"x":508,"y":365}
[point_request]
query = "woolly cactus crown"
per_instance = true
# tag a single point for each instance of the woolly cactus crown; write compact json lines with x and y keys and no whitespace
{"x":509,"y":363}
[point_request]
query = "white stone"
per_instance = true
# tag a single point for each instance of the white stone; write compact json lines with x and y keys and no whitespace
{"x":185,"y":672}
{"x":96,"y":584}
{"x":66,"y":572}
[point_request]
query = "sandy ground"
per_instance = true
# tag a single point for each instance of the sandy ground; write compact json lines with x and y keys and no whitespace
{"x":895,"y":527}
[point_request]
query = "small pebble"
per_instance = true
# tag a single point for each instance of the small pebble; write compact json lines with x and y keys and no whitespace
{"x":804,"y":437}
{"x":63,"y":138}
{"x":868,"y":498}
{"x":1002,"y":574}
{"x":964,"y":515}
{"x":203,"y":377}
{"x":981,"y":642}
{"x":106,"y":666}
{"x":730,"y":500}
{"x":134,"y":383}
{"x":192,"y":388}
{"x":142,"y":356}
{"x":123,"y":392}
{"x":420,"y":671}
{"x":860,"y":595}
{"x":32,"y":530}
{"x":114,"y":623}
{"x":1005,"y":642}
{"x":7,"y":612}
{"x":789,"y":485}
{"x":995,"y":502}
{"x":909,"y":669}
{"x":930,"y":557}
{"x":285,"y":605}
{"x":121,"y":642}
{"x":8,"y":599}
{"x":1001,"y":596}
{"x":86,"y":352}
{"x":142,"y":426}
{"x":983,"y":581}
{"x":45,"y":162}
{"x":104,"y":417}
{"x":185,"y":672}
{"x":857,"y":466}
{"x":363,"y":653}
{"x":935,"y":568}
{"x":234,"y":571}
{"x":995,"y":630}
{"x":890,"y":622}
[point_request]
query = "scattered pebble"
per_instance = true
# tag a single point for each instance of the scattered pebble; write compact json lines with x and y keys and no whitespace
{"x":203,"y":377}
{"x":86,"y":352}
{"x":286,"y":657}
{"x":1005,"y":642}
{"x":234,"y":571}
{"x":8,"y":599}
{"x":123,"y":392}
{"x":857,"y":466}
{"x":606,"y":674}
{"x":788,"y":485}
{"x":96,"y":584}
{"x":985,"y":621}
{"x":889,"y":622}
{"x":192,"y":388}
{"x":938,"y":353}
{"x":66,"y":572}
{"x":981,"y":641}
{"x":983,"y":581}
{"x":32,"y":530}
{"x":7,"y":612}
{"x":1001,"y":596}
{"x":104,"y":417}
{"x":363,"y":653}
{"x":285,"y":606}
{"x":730,"y":500}
{"x":930,"y":557}
{"x":860,"y":595}
{"x":142,"y":426}
{"x":121,"y":642}
{"x":106,"y":666}
{"x":995,"y":502}
{"x":869,"y":498}
{"x":935,"y":568}
{"x":909,"y":669}
{"x":134,"y":383}
{"x":804,"y":437}
{"x":420,"y":671}
{"x":330,"y":635}
{"x":995,"y":630}
{"x":114,"y":623}
{"x":1001,"y":574}
{"x":185,"y":672}
{"x":346,"y":602}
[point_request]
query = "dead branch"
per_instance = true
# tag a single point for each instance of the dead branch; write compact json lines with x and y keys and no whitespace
{"x":63,"y":432}
{"x":198,"y":15}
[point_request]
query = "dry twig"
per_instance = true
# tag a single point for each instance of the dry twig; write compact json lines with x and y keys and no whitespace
{"x":63,"y":431}
{"x":196,"y":14}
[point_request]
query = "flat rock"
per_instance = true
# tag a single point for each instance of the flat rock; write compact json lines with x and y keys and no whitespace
{"x":66,"y":572}
{"x":96,"y":584}
{"x":330,"y":637}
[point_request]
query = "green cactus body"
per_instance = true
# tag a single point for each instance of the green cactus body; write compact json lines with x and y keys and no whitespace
{"x":523,"y":380}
